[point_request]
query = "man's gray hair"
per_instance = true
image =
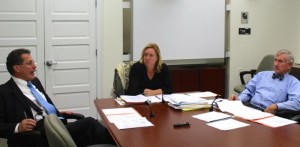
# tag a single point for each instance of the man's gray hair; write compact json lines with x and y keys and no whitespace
{"x":289,"y":56}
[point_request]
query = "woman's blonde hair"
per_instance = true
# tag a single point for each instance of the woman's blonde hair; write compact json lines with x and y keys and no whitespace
{"x":158,"y":64}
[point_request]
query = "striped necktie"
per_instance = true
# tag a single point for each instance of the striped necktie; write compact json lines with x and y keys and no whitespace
{"x":47,"y":106}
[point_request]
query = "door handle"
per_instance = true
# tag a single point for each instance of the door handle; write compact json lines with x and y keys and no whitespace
{"x":50,"y":63}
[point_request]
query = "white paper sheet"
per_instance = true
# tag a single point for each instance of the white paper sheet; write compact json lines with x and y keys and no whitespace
{"x":118,"y":111}
{"x":227,"y":124}
{"x":134,"y":99}
{"x":275,"y":121}
{"x":202,"y":94}
{"x":212,"y":116}
{"x":238,"y":109}
{"x":127,"y":123}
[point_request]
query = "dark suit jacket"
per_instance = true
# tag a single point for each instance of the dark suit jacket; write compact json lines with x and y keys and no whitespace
{"x":13,"y":105}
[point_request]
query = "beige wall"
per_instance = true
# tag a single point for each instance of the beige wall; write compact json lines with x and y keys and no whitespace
{"x":274,"y":25}
{"x":110,"y":46}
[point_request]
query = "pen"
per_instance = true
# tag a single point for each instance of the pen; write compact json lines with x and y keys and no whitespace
{"x":187,"y":124}
{"x":219,"y":119}
{"x":158,"y":97}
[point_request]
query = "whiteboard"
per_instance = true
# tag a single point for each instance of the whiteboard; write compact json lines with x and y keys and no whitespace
{"x":183,"y":29}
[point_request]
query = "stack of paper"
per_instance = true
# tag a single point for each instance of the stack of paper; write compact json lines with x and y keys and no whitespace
{"x":186,"y":102}
{"x":183,"y":99}
{"x":140,"y":98}
{"x":125,"y":118}
{"x":238,"y":109}
{"x":206,"y":94}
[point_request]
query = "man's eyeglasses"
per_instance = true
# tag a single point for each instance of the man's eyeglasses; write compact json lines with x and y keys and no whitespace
{"x":30,"y":63}
{"x":280,"y":61}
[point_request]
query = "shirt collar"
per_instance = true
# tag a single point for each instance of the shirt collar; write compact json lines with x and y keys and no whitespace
{"x":19,"y":81}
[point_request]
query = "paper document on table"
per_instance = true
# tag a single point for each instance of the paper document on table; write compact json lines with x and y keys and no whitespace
{"x":202,"y":94}
{"x":230,"y":106}
{"x":183,"y":99}
{"x":216,"y":101}
{"x":227,"y":124}
{"x":154,"y":99}
{"x":118,"y":111}
{"x":167,"y":97}
{"x":116,"y":114}
{"x":238,"y":109}
{"x":117,"y":118}
{"x":134,"y":99}
{"x":133,"y":123}
{"x":212,"y":116}
{"x":275,"y":121}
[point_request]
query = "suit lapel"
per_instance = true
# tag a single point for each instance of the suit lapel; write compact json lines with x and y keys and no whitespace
{"x":18,"y":94}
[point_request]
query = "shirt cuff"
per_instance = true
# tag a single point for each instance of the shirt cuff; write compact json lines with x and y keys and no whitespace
{"x":279,"y":106}
{"x":16,"y":128}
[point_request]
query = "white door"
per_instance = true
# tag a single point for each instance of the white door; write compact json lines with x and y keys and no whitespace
{"x":70,"y":54}
{"x":21,"y":26}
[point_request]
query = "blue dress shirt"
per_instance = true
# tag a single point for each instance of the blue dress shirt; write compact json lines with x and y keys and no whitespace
{"x":262,"y":91}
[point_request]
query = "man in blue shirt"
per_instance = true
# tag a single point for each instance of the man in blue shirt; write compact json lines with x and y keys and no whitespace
{"x":272,"y":91}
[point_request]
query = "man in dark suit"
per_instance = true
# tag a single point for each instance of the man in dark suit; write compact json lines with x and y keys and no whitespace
{"x":20,"y":111}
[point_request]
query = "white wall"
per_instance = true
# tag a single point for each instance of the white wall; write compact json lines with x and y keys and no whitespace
{"x":110,"y":46}
{"x":274,"y":25}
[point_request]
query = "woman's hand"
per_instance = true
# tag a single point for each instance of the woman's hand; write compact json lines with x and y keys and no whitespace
{"x":149,"y":92}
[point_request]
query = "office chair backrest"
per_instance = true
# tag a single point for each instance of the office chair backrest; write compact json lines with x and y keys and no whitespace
{"x":121,"y":78}
{"x":56,"y":132}
{"x":267,"y":63}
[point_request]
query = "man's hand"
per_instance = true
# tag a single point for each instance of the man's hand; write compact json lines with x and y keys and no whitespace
{"x":66,"y":112}
{"x":271,"y":109}
{"x":232,"y":98}
{"x":26,"y":125}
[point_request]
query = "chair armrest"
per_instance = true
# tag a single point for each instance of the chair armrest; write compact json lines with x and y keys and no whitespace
{"x":253,"y":72}
{"x":242,"y":74}
{"x":73,"y":116}
{"x":289,"y":114}
{"x":296,"y":118}
{"x":30,"y":133}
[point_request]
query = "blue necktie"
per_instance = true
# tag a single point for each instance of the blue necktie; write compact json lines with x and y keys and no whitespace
{"x":49,"y":107}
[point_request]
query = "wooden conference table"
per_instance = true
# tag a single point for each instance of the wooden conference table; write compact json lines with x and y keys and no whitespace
{"x":163,"y":134}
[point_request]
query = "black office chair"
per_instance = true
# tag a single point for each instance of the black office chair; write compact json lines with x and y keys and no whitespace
{"x":289,"y":114}
{"x":266,"y":63}
{"x":293,"y":115}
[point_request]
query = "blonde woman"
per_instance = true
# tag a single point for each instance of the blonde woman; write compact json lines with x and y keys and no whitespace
{"x":150,"y":76}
